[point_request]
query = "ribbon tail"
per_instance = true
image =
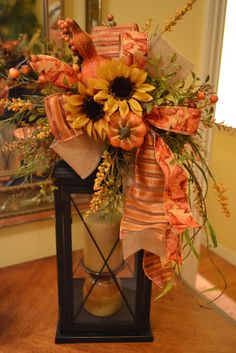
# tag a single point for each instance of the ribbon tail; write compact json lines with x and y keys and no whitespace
{"x":175,"y":200}
{"x":156,"y":210}
{"x":175,"y":192}
{"x":154,"y":269}
{"x":144,"y":223}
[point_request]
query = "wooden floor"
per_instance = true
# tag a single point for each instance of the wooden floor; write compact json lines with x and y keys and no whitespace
{"x":209,"y":267}
{"x":181,"y":321}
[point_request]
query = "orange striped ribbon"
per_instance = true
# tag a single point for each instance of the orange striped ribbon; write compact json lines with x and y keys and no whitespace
{"x":156,"y":210}
{"x":107,"y":40}
{"x":121,"y":41}
{"x":57,"y":117}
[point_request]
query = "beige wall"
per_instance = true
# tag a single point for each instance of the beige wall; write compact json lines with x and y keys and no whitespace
{"x":34,"y":240}
{"x":26,"y":242}
{"x":76,"y":9}
{"x":223,"y":166}
{"x":186,"y":36}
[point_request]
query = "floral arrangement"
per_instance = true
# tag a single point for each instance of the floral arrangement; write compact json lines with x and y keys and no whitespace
{"x":121,"y":104}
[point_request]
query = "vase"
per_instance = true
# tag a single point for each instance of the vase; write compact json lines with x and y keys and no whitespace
{"x":101,"y":243}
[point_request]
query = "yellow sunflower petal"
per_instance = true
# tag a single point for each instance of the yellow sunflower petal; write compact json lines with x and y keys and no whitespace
{"x":116,"y":68}
{"x":137,"y":112}
{"x":142,"y":96}
{"x":99,"y":84}
{"x":111,"y":105}
{"x":72,"y":108}
{"x":75,"y":99}
{"x":104,"y":135}
{"x":89,"y":128}
{"x":105,"y":126}
{"x":138,"y":76}
{"x":101,"y":95}
{"x":106,"y":117}
{"x":69,"y":118}
{"x":94,"y":134}
{"x":125,"y":71}
{"x":134,"y":72}
{"x":145,"y":87}
{"x":81,"y":121}
{"x":98,"y":127}
{"x":81,"y":88}
{"x":104,"y":71}
{"x":134,"y":105}
{"x":123,"y":108}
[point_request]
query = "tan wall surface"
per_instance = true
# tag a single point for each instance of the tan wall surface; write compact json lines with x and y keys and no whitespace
{"x":31,"y":241}
{"x":223,"y":166}
{"x":186,"y":36}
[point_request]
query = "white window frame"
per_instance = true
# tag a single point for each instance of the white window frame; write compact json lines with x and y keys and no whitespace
{"x":212,"y":39}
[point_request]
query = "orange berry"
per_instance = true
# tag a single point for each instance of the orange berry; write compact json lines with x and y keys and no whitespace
{"x":13,"y":73}
{"x":42,"y":80}
{"x":110,"y":17}
{"x":213,"y":98}
{"x":25,"y":69}
{"x":75,"y":67}
{"x":201,"y":95}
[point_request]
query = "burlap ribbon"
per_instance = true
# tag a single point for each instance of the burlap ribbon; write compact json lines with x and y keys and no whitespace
{"x":156,"y":210}
{"x":74,"y":146}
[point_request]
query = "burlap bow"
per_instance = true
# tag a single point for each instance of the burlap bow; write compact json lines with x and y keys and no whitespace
{"x":72,"y":145}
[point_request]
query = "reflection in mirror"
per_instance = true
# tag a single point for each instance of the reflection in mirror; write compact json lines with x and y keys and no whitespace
{"x":52,"y":11}
{"x":93,"y":14}
{"x":22,"y":33}
{"x":17,"y":195}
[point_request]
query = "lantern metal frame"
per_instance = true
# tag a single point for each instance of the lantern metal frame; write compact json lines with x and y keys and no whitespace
{"x":118,"y":327}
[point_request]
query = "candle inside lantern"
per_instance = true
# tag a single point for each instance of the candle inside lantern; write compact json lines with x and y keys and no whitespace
{"x":105,"y":230}
{"x":104,"y":298}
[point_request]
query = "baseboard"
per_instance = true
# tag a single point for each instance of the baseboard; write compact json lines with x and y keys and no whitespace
{"x":226,"y":254}
{"x":224,"y":302}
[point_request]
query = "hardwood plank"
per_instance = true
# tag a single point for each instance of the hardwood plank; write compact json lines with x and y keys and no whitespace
{"x":209,"y":271}
{"x":28,"y":318}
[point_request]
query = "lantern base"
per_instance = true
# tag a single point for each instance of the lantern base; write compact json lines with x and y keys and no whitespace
{"x":116,"y":328}
{"x":75,"y":338}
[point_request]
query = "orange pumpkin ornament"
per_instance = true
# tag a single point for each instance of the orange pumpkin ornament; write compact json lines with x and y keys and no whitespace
{"x":126,"y":132}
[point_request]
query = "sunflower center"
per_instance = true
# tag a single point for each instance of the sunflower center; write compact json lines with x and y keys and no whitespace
{"x":121,"y":87}
{"x":92,"y":109}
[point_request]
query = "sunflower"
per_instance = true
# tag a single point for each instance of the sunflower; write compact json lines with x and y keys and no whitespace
{"x":86,"y":113}
{"x":121,"y":87}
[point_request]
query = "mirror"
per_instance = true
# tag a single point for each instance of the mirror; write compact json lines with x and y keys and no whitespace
{"x":20,"y":21}
{"x":18,"y":198}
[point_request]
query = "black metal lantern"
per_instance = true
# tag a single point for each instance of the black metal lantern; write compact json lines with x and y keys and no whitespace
{"x":95,"y":305}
